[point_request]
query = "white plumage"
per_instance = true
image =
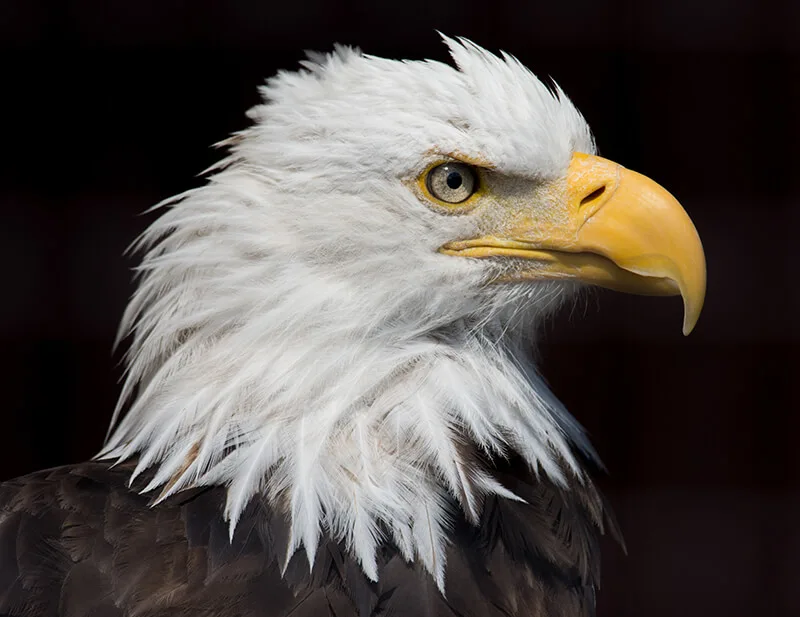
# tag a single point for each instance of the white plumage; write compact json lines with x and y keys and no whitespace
{"x":296,"y":331}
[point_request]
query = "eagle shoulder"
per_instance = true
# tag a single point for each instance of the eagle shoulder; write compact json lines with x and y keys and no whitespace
{"x":77,"y":541}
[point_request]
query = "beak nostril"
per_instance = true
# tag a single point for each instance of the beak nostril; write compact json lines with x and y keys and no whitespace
{"x":595,"y":194}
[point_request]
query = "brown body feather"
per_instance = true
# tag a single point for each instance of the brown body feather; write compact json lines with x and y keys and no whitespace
{"x":75,"y":541}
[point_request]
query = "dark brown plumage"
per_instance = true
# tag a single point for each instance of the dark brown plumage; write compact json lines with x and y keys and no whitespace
{"x":75,"y":541}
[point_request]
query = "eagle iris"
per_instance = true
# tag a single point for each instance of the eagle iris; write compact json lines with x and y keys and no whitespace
{"x":452,"y":182}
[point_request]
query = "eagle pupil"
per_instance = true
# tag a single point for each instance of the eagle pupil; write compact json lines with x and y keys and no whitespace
{"x":454,"y":180}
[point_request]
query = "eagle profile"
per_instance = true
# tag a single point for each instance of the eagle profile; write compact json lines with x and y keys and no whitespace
{"x":330,"y":405}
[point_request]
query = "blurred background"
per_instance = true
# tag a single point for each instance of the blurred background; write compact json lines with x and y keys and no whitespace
{"x":108,"y":107}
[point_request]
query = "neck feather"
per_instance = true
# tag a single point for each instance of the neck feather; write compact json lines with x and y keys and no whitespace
{"x":401,"y":432}
{"x":360,"y":411}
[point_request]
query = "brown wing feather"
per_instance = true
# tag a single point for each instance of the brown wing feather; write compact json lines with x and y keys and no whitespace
{"x":77,"y":542}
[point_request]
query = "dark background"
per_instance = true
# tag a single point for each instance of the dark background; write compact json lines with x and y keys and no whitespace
{"x":108,"y":107}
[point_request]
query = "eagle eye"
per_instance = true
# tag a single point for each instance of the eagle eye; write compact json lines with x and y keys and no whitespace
{"x":452,"y":182}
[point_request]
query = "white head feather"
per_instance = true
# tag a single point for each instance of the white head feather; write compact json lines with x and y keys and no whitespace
{"x":296,"y":333}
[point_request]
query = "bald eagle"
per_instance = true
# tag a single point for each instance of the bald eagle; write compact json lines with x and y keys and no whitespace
{"x":330,"y":404}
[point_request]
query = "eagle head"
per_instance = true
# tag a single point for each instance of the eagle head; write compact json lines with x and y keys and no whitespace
{"x":341,"y":319}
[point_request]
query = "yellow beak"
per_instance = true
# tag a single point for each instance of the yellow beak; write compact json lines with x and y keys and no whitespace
{"x":614,"y":228}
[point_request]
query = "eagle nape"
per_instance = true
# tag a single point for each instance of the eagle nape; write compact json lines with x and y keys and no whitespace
{"x":330,"y":406}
